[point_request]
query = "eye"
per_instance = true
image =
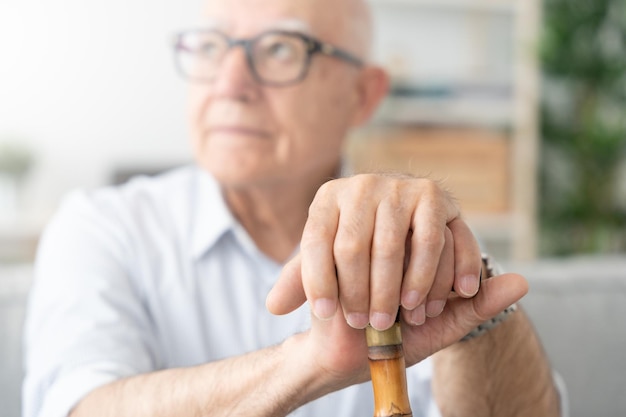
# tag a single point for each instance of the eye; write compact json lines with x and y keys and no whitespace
{"x":280,"y":50}
{"x":209,"y":48}
{"x":207,"y":45}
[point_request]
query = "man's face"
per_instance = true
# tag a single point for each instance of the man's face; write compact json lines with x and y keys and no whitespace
{"x":247,"y":134}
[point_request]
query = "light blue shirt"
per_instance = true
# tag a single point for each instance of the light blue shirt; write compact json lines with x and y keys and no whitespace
{"x":157,"y":274}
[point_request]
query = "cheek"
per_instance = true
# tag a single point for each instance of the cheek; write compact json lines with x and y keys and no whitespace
{"x":331,"y":110}
{"x":313,"y":133}
{"x":197,"y":102}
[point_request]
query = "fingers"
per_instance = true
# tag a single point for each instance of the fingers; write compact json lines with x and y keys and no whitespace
{"x":466,"y":259}
{"x":351,"y":253}
{"x":288,"y":292}
{"x":444,"y":278}
{"x":372,"y":243}
{"x":432,"y":212}
{"x":387,"y":259}
{"x":363,"y":267}
{"x":318,"y":265}
{"x":438,"y":289}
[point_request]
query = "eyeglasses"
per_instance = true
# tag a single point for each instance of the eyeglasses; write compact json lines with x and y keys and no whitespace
{"x":275,"y":58}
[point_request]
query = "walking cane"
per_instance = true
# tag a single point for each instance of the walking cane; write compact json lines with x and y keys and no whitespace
{"x":388,"y":371}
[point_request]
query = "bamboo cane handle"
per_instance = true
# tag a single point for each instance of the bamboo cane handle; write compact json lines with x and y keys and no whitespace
{"x":388,"y":372}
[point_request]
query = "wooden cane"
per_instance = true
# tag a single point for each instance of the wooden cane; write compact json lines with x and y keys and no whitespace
{"x":388,"y":372}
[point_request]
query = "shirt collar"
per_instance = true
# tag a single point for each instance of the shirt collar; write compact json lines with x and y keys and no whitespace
{"x":210,"y":216}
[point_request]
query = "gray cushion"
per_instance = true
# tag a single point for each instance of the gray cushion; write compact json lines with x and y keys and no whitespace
{"x":578,"y":307}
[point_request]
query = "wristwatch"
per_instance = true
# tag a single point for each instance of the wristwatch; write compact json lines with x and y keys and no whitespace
{"x":490,"y":270}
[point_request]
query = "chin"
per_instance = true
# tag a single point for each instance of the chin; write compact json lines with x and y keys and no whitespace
{"x":234,"y":175}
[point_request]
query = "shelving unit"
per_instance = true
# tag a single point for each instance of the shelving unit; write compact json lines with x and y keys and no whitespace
{"x":488,"y":6}
{"x":464,"y":109}
{"x":19,"y":236}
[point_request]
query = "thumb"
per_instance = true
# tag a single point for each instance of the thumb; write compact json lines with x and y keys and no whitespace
{"x":288,"y":292}
{"x":461,"y":315}
{"x":495,"y":295}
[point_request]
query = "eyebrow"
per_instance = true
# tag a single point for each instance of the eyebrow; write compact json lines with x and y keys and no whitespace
{"x":296,"y":25}
{"x":214,"y":24}
{"x":291,"y":25}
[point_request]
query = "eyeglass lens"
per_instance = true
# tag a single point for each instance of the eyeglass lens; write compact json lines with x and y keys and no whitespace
{"x":276,"y":57}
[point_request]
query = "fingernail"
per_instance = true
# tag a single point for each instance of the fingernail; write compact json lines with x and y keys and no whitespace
{"x":468,"y":285}
{"x":418,"y":315}
{"x":357,"y":320}
{"x":381,"y":321}
{"x":410,"y":300}
{"x":434,"y":308}
{"x":324,"y":308}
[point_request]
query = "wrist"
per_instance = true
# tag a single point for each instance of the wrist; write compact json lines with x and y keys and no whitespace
{"x":310,"y":380}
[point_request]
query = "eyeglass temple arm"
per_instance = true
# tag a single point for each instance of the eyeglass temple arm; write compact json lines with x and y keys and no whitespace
{"x":328,"y":49}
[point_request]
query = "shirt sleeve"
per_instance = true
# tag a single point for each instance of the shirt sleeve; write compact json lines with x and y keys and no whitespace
{"x":561,"y":387}
{"x":86,"y":324}
{"x":419,"y":381}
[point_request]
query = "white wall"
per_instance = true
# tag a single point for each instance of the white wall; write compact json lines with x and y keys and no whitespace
{"x":90,"y":85}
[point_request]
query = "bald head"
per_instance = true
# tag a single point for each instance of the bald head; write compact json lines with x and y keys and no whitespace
{"x":357,"y":27}
{"x":345,"y":23}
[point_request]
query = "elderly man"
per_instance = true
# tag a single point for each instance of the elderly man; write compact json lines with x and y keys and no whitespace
{"x":150,"y":298}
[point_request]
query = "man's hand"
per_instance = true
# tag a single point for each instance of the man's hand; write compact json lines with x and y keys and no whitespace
{"x":376,"y":243}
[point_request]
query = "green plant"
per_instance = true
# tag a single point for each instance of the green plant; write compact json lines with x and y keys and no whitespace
{"x":15,"y":160}
{"x":583,"y":126}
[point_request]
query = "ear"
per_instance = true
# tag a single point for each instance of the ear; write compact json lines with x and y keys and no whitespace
{"x":373,"y":86}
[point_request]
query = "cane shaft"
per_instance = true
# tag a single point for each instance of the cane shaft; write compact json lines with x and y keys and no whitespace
{"x":388,"y":372}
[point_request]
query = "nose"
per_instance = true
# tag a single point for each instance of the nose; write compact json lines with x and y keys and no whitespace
{"x":234,"y":78}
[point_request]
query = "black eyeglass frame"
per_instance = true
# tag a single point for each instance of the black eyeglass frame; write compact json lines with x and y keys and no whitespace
{"x":313,"y":46}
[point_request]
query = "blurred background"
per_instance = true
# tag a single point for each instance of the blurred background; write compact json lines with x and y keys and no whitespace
{"x":517,"y":106}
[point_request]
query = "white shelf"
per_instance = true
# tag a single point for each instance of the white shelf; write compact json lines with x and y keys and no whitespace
{"x":22,"y":226}
{"x":466,"y":112}
{"x":478,"y":6}
{"x":19,"y":235}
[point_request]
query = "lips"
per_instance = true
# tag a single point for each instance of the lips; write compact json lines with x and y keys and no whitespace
{"x":239,"y":130}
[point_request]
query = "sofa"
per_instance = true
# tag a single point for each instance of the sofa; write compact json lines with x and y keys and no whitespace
{"x":578,"y":307}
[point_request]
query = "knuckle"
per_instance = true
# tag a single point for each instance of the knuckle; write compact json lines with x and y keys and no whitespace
{"x":388,"y":247}
{"x":324,"y":196}
{"x":395,"y":195}
{"x":329,"y":187}
{"x":351,"y":296}
{"x":431,"y":189}
{"x":431,"y":239}
{"x":363,"y":183}
{"x":348,"y":250}
{"x":365,"y":178}
{"x":315,"y":234}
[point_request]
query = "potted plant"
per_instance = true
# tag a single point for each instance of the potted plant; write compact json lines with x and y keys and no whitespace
{"x":15,"y":162}
{"x":583,"y":127}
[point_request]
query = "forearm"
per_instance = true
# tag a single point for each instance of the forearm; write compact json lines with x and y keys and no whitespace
{"x":502,"y":373}
{"x":269,"y":382}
